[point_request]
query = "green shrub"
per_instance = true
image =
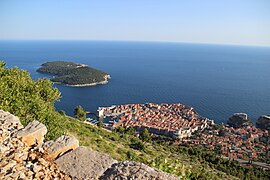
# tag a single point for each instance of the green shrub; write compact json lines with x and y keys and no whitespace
{"x":79,"y":112}
{"x":138,"y":145}
{"x":145,"y":135}
{"x":131,"y":155}
{"x":29,"y":99}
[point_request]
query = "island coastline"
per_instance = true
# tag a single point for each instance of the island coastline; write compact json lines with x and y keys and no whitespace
{"x":107,"y":77}
{"x":74,"y":75}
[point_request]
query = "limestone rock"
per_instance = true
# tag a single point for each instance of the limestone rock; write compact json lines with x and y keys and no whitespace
{"x":126,"y":170}
{"x":33,"y":133}
{"x":9,"y":121}
{"x":18,"y":161}
{"x":84,"y":163}
{"x":59,"y":146}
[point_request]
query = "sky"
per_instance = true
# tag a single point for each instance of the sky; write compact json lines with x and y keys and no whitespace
{"x":244,"y":22}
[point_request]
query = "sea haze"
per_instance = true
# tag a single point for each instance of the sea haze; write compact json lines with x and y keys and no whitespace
{"x":217,"y":80}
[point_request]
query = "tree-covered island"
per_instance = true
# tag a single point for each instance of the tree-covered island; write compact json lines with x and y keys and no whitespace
{"x":73,"y":74}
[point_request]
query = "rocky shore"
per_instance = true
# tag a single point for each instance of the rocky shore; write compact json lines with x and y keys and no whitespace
{"x":106,"y":77}
{"x":24,"y":155}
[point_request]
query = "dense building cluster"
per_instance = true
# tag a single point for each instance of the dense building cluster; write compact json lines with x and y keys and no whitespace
{"x":175,"y":120}
{"x":247,"y":143}
{"x":183,"y":122}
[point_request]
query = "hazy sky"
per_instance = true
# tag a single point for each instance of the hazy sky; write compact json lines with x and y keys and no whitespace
{"x":204,"y":21}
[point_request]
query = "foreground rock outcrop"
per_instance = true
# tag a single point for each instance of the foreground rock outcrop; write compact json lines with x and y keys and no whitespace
{"x":17,"y":159}
{"x":24,"y":156}
{"x":61,"y":145}
{"x":84,"y":163}
{"x":131,"y":170}
{"x":33,"y":133}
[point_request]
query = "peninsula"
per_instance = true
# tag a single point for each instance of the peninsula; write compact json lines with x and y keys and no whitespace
{"x":72,"y":74}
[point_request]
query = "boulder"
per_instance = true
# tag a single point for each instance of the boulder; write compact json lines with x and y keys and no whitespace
{"x":239,"y":120}
{"x":84,"y":163}
{"x":33,"y":133}
{"x":132,"y":170}
{"x":263,"y":122}
{"x":9,"y":121}
{"x":59,"y":146}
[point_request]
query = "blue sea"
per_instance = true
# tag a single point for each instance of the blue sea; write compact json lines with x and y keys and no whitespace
{"x":218,"y":80}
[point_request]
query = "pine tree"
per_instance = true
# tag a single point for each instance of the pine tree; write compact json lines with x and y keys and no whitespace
{"x":79,"y":112}
{"x":145,"y":135}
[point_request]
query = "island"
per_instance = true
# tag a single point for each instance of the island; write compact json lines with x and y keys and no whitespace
{"x":72,"y":74}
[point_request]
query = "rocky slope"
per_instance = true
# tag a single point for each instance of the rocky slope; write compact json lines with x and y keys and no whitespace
{"x":24,"y":155}
{"x":132,"y":170}
{"x":17,"y":159}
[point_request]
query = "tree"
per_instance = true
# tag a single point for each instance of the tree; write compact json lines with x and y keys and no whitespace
{"x":2,"y":64}
{"x":62,"y":112}
{"x":145,"y":135}
{"x":130,"y":131}
{"x":79,"y":112}
{"x":119,"y":129}
{"x":100,"y":123}
{"x":138,"y":145}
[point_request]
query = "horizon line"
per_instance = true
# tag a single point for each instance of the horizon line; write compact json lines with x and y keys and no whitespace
{"x":144,"y":41}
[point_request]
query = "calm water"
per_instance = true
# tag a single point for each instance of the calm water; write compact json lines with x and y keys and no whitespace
{"x":217,"y":80}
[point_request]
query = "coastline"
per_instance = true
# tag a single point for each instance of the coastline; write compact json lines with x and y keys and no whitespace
{"x":107,"y":77}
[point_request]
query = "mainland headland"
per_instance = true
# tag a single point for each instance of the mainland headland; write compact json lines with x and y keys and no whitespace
{"x":72,"y":74}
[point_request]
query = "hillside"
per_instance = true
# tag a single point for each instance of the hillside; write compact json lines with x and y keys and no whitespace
{"x":34,"y":100}
{"x":73,"y":74}
{"x":24,"y":155}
